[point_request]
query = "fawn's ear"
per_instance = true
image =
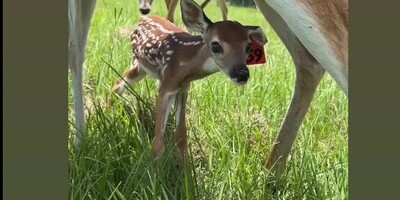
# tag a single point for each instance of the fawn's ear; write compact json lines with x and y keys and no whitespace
{"x":256,"y":33}
{"x":193,"y":16}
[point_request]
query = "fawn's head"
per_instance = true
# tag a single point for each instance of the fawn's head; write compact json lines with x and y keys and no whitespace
{"x":228,"y":41}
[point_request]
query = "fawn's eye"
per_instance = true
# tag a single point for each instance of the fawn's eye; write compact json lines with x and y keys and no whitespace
{"x":216,"y":47}
{"x":248,"y":48}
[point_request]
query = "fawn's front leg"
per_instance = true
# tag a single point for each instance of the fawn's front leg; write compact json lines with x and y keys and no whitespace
{"x":180,"y":133}
{"x":163,"y":107}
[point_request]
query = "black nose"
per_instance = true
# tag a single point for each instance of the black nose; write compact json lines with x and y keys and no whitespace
{"x":144,"y":11}
{"x":241,"y":74}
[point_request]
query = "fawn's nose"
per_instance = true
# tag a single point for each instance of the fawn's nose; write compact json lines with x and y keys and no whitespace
{"x":144,"y":11}
{"x":244,"y":72}
{"x":240,"y":75}
{"x":243,"y":75}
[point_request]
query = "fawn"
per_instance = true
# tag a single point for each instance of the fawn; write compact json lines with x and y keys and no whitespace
{"x":175,"y":58}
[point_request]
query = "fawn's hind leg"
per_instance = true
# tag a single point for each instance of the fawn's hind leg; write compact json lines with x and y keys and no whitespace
{"x":133,"y":75}
{"x":181,"y":132}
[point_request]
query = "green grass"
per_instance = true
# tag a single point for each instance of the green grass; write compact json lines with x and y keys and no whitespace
{"x":230,"y":128}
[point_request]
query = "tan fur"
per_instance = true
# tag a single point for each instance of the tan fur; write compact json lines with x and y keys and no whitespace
{"x":332,"y":15}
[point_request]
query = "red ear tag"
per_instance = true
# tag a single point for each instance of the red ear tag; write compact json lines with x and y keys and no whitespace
{"x":256,"y":55}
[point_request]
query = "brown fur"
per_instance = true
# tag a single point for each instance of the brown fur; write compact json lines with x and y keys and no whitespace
{"x":332,"y":15}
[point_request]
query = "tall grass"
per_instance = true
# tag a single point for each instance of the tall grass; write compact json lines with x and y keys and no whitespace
{"x":231,"y":129}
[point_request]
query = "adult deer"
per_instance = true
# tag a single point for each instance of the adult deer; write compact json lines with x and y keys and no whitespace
{"x":145,"y":7}
{"x":175,"y":58}
{"x":315,"y":33}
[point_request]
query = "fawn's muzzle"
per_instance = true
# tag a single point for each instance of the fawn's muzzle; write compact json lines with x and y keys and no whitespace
{"x":240,"y":75}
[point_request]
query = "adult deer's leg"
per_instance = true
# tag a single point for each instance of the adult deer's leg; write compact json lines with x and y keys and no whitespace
{"x":221,"y":5}
{"x":79,"y":19}
{"x":224,"y":9}
{"x":204,"y":4}
{"x":167,"y":3}
{"x":133,"y":75}
{"x":181,"y":132}
{"x":163,"y":107}
{"x":308,"y":76}
{"x":76,"y":58}
{"x":171,"y":5}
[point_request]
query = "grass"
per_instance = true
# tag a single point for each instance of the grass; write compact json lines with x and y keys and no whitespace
{"x":230,"y":128}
